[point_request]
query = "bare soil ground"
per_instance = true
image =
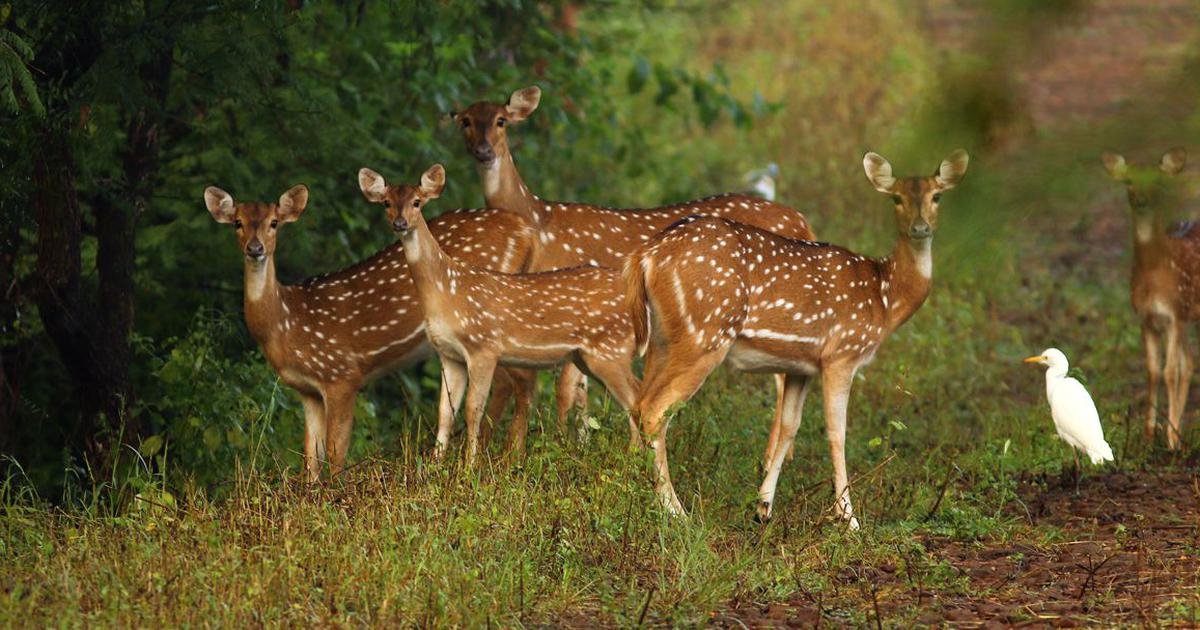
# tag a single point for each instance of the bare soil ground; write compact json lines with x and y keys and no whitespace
{"x":1129,"y":552}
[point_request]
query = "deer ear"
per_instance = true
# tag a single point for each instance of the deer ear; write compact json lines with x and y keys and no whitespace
{"x":372,"y":185}
{"x":952,"y":169}
{"x":1173,"y":161}
{"x":292,"y":203}
{"x":1115,"y":165}
{"x":220,"y":204}
{"x":879,"y":172}
{"x":522,"y":103}
{"x":433,"y":181}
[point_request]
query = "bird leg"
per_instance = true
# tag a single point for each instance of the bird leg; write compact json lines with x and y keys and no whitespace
{"x":1075,"y":452}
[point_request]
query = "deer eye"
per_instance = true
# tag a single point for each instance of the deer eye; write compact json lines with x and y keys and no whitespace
{"x":237,"y":224}
{"x":937,"y":197}
{"x":466,"y":123}
{"x":387,"y":204}
{"x":897,"y":199}
{"x":274,"y":223}
{"x":500,"y":122}
{"x":417,"y":203}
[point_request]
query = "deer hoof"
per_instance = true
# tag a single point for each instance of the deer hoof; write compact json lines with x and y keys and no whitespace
{"x":762,"y":515}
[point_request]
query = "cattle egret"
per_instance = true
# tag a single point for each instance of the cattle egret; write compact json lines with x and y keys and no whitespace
{"x":1071,"y":406}
{"x":762,"y":181}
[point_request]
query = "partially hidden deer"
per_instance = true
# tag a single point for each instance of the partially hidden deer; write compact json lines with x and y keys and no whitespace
{"x":329,"y":335}
{"x":1165,"y":286}
{"x":477,"y":319}
{"x":709,"y":290}
{"x":572,"y":233}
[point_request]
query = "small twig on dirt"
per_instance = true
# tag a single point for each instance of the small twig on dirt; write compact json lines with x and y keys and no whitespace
{"x":646,"y":606}
{"x":875,"y":604}
{"x":1092,"y":569}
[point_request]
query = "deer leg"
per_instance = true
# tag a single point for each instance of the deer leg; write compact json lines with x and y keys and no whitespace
{"x":1152,"y":341}
{"x":524,"y":385}
{"x":504,"y":386}
{"x":314,"y":436}
{"x":617,"y":377}
{"x":454,"y":383}
{"x":339,"y":418}
{"x":773,"y":436}
{"x":480,"y":369}
{"x":789,"y":411}
{"x":1178,"y":374}
{"x":667,"y":382}
{"x":570,"y":391}
{"x":835,"y":385}
{"x":1173,"y":373}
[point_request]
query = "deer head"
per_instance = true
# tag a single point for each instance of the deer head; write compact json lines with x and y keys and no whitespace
{"x":403,"y":203}
{"x":916,"y":198}
{"x":257,"y":223}
{"x":483,"y":124}
{"x":1148,"y":187}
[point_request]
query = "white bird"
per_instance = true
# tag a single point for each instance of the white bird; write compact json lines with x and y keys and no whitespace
{"x":762,"y":181}
{"x":1071,"y":406}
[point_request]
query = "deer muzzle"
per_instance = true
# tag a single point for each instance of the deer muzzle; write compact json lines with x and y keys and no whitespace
{"x":920,"y":229}
{"x":255,"y":250}
{"x":483,"y":152}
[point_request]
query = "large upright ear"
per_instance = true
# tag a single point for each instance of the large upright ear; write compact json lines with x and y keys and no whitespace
{"x":952,"y":169}
{"x":1115,"y":165}
{"x":879,"y":172}
{"x":433,"y":181}
{"x":372,"y":185}
{"x":292,"y":203}
{"x":1173,"y":161}
{"x":522,"y":103}
{"x":220,"y":204}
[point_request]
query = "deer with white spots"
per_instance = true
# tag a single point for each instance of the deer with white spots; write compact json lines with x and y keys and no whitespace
{"x":709,"y":290}
{"x":477,"y":319}
{"x":574,"y":233}
{"x":329,"y":335}
{"x":1165,"y":287}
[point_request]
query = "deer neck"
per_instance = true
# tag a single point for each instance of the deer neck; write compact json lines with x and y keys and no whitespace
{"x":906,"y":279}
{"x":428,"y":265}
{"x":1150,"y":249}
{"x":263,"y":299}
{"x":504,"y":189}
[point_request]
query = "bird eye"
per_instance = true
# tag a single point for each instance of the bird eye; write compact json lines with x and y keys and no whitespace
{"x":464,"y":122}
{"x":417,"y":203}
{"x":897,"y":199}
{"x":937,"y":197}
{"x":274,"y":223}
{"x":500,"y":121}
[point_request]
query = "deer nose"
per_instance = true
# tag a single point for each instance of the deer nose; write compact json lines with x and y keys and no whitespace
{"x":255,"y":249}
{"x":920,"y":229}
{"x":400,"y":225}
{"x":484,"y":153}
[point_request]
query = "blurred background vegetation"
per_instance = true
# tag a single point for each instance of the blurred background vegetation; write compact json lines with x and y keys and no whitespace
{"x":121,"y":316}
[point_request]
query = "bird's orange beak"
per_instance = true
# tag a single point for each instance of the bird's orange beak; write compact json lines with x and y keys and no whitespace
{"x":1037,"y":359}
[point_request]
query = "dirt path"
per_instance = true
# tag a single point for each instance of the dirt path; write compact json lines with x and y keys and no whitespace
{"x":1129,"y":555}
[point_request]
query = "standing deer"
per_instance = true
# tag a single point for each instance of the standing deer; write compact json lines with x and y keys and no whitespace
{"x":1165,"y":286}
{"x":708,"y":289}
{"x":579,"y":233}
{"x":327,"y":336}
{"x":477,"y":319}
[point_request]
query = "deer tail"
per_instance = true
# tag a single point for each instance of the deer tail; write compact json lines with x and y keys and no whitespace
{"x":636,"y":302}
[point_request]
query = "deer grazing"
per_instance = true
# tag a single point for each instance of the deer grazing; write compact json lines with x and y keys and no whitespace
{"x":327,"y":336}
{"x":1165,"y":286}
{"x":710,"y":289}
{"x":574,"y":234}
{"x":477,"y":319}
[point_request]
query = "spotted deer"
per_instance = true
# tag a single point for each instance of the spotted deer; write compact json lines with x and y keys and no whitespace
{"x":477,"y":319}
{"x":709,"y":290}
{"x":1165,"y":287}
{"x":329,"y":335}
{"x":573,"y":233}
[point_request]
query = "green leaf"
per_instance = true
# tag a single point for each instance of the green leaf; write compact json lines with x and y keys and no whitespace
{"x":639,"y":74}
{"x":875,"y":442}
{"x":150,"y":446}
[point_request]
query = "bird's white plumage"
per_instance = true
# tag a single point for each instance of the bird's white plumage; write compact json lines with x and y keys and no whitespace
{"x":1074,"y":412}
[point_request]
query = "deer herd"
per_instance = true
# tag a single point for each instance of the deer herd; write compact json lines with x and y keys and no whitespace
{"x":530,"y":284}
